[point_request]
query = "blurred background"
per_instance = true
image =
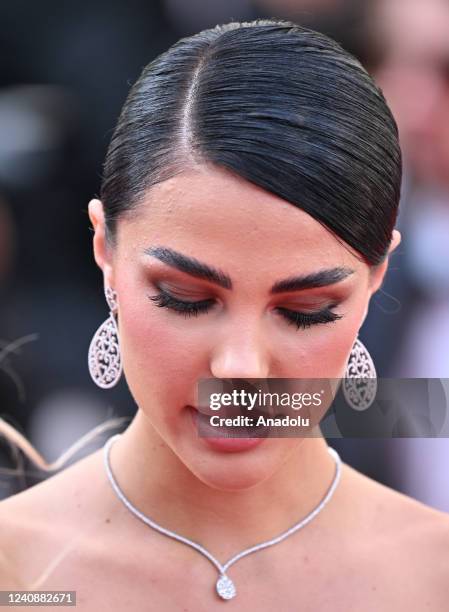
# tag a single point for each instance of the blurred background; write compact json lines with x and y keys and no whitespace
{"x":65,"y":71}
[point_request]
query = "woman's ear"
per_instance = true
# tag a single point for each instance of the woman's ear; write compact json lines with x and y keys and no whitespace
{"x":378,"y":272}
{"x":102,"y":251}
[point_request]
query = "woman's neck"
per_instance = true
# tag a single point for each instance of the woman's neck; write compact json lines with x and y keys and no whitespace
{"x":158,"y":483}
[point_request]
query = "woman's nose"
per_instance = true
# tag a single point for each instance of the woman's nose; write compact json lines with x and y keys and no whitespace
{"x":241,"y":355}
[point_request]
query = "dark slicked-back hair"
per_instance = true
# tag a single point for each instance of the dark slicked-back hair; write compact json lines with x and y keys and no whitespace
{"x":280,"y":105}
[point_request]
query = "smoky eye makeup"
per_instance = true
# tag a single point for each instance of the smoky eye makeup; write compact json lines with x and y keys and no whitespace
{"x":300,"y":319}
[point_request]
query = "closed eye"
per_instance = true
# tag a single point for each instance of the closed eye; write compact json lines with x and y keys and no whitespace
{"x":292,"y":317}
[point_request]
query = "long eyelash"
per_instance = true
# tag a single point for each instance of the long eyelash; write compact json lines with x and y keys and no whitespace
{"x":305,"y":320}
{"x":300,"y":319}
{"x":188,"y":309}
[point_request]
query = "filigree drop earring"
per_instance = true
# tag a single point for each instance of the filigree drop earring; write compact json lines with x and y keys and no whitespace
{"x":105,"y":363}
{"x":360,"y":382}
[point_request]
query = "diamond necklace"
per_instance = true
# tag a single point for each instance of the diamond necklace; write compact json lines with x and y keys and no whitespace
{"x":224,"y":585}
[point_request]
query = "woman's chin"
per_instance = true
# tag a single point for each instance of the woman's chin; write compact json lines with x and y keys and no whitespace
{"x":228,"y":464}
{"x":227,"y":477}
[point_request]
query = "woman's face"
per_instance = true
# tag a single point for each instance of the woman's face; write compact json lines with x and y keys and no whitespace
{"x":252,"y":240}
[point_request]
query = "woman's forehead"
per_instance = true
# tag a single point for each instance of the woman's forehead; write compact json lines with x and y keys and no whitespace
{"x":227,"y":221}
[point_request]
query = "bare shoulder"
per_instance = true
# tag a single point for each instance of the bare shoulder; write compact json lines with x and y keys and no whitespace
{"x":409,"y":540}
{"x":395,"y":511}
{"x":48,"y":501}
{"x":70,"y":532}
{"x":38,"y":520}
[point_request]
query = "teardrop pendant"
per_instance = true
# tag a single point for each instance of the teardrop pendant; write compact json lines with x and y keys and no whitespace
{"x":360,"y":382}
{"x":105,"y":365}
{"x":225,"y":587}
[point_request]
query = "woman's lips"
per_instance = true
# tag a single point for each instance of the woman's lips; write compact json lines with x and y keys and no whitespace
{"x":236,"y":443}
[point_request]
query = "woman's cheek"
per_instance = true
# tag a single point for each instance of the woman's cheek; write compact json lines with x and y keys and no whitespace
{"x":322,"y":351}
{"x":158,"y":358}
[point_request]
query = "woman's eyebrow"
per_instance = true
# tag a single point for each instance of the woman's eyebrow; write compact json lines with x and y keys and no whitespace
{"x":199,"y":269}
